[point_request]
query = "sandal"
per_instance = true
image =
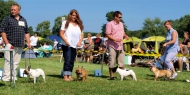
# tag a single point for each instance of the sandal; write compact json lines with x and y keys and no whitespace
{"x":66,"y":79}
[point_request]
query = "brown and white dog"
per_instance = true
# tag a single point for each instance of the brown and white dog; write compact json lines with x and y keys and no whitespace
{"x":81,"y":73}
{"x":35,"y":73}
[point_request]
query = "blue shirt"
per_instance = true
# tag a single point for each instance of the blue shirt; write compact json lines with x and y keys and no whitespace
{"x":172,"y":47}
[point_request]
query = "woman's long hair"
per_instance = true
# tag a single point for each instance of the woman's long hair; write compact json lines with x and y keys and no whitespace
{"x":78,"y":20}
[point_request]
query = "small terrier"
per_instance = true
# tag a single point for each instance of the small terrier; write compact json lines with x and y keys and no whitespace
{"x":35,"y":73}
{"x":160,"y":73}
{"x":124,"y":73}
{"x":81,"y":73}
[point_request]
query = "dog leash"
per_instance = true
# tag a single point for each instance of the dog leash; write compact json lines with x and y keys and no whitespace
{"x":26,"y":62}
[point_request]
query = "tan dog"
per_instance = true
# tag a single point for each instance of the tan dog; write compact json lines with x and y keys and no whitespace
{"x":81,"y":73}
{"x":160,"y":73}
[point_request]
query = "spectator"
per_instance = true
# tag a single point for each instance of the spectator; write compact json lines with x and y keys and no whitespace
{"x":134,"y":57}
{"x":97,"y":42}
{"x":55,"y":44}
{"x":34,"y":40}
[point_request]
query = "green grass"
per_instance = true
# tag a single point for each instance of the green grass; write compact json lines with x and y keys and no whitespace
{"x":94,"y":85}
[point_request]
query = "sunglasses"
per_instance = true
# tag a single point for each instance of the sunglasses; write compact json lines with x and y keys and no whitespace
{"x":119,"y":17}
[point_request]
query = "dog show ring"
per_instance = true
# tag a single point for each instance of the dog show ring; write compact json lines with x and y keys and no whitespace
{"x":12,"y":76}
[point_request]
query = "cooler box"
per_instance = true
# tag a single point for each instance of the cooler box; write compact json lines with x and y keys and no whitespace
{"x":20,"y":73}
{"x":97,"y":73}
{"x":128,"y":59}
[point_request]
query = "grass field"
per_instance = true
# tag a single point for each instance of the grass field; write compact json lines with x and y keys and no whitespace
{"x":94,"y":85}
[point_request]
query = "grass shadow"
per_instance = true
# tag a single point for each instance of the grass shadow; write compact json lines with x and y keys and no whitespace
{"x":102,"y":76}
{"x":2,"y":84}
{"x":55,"y":76}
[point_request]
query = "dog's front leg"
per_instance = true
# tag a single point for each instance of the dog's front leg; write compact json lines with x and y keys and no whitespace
{"x":121,"y":78}
{"x":34,"y":80}
{"x":155,"y":78}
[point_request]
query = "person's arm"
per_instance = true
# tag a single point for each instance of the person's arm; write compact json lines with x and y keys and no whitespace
{"x":181,"y":49}
{"x":174,"y":37}
{"x":108,"y":33}
{"x":4,"y":36}
{"x":188,"y":44}
{"x":125,"y":36}
{"x":80,"y":41}
{"x":61,"y":34}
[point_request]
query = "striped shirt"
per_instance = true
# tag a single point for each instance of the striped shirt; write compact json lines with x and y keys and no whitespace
{"x":15,"y":30}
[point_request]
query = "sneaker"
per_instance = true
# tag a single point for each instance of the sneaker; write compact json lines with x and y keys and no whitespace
{"x":188,"y":80}
{"x":173,"y":76}
{"x":112,"y":78}
{"x":179,"y":71}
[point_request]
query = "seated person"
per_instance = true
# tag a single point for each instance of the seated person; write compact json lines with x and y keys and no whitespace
{"x":156,"y":62}
{"x":180,"y":60}
{"x":135,"y":49}
{"x":148,"y":49}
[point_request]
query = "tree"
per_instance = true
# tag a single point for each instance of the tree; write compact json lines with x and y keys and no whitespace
{"x":30,"y":29}
{"x":57,"y":24}
{"x":109,"y":17}
{"x":153,"y":27}
{"x":5,"y":8}
{"x":44,"y":29}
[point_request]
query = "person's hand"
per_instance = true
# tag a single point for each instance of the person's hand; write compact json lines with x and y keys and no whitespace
{"x":67,"y":43}
{"x":79,"y":45}
{"x":127,"y":37}
{"x":29,"y":46}
{"x":164,"y":45}
{"x":118,"y":40}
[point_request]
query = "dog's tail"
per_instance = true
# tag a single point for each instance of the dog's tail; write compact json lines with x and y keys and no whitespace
{"x":133,"y":75}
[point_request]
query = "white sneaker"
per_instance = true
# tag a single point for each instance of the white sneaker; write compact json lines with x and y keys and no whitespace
{"x":173,"y":76}
{"x":188,"y":80}
{"x":179,"y":71}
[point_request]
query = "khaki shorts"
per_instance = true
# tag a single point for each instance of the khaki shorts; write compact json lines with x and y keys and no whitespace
{"x":116,"y":54}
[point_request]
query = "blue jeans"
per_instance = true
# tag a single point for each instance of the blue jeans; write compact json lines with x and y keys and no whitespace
{"x":69,"y":55}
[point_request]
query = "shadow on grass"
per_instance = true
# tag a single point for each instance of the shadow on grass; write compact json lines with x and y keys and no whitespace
{"x":55,"y":76}
{"x":2,"y":84}
{"x":103,"y":76}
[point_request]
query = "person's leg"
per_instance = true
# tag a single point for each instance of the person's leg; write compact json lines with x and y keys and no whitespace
{"x":6,"y":71}
{"x":112,"y":57}
{"x":71,"y":65}
{"x":66,"y":66}
{"x":168,"y":59}
{"x":121,"y":59}
{"x":17,"y":57}
{"x":179,"y":64}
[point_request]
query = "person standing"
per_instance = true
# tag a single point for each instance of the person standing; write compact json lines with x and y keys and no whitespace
{"x":171,"y":48}
{"x":71,"y":33}
{"x":14,"y":29}
{"x":55,"y":44}
{"x":34,"y":40}
{"x":115,"y":33}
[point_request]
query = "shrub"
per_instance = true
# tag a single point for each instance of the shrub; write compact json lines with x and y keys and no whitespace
{"x":47,"y":41}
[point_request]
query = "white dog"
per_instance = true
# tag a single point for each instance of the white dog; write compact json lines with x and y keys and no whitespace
{"x":124,"y":73}
{"x":35,"y":73}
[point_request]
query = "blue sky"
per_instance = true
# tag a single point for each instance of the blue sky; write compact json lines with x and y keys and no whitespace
{"x":93,"y":12}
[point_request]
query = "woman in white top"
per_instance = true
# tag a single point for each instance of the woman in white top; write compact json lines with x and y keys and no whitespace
{"x":72,"y":36}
